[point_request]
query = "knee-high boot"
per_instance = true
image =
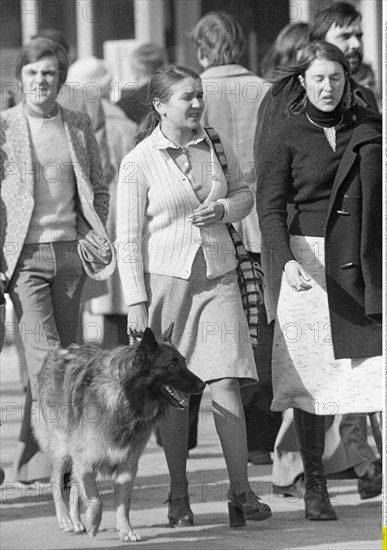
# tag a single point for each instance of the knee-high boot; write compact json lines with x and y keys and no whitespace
{"x":310,"y":431}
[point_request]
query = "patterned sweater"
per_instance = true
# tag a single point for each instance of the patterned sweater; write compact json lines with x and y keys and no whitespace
{"x":154,"y":201}
{"x":18,"y":181}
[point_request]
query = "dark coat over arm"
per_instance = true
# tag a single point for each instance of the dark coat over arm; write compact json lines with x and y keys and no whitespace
{"x":353,"y":244}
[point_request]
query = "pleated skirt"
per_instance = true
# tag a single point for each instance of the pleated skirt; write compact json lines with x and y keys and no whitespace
{"x":210,"y":327}
{"x":305,"y":373}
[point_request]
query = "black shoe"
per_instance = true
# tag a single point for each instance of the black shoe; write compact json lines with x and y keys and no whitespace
{"x":310,"y":432}
{"x":246,"y":506}
{"x":317,"y":504}
{"x":370,"y":485}
{"x":179,"y":512}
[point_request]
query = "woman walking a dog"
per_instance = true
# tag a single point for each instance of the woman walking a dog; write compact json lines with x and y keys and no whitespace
{"x":325,"y":161}
{"x":177,"y":264}
{"x":54,"y":206}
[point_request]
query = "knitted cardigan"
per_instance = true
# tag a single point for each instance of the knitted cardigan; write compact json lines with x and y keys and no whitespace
{"x":154,"y":201}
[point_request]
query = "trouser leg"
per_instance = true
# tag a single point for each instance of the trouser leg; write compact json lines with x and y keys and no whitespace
{"x":45,"y":291}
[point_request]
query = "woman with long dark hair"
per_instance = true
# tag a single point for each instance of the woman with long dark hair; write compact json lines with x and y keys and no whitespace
{"x":323,"y":263}
{"x":177,"y":264}
{"x":285,"y":49}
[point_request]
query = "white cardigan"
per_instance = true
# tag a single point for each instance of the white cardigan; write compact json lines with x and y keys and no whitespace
{"x":154,"y":201}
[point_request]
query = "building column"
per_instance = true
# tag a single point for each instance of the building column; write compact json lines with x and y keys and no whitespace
{"x":299,"y":11}
{"x":372,"y":17}
{"x":149,"y":21}
{"x":86,"y":16}
{"x":187,"y":14}
{"x":29,"y":15}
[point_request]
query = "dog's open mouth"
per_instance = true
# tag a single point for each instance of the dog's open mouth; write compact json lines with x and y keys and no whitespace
{"x":177,"y":399}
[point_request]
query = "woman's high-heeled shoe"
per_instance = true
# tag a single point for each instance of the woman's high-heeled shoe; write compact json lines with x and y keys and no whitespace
{"x":246,"y":506}
{"x":179,"y":512}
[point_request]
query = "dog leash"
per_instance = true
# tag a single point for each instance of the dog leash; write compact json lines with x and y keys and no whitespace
{"x":135,"y":336}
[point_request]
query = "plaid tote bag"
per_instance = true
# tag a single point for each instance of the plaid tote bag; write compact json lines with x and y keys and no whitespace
{"x":250,"y":274}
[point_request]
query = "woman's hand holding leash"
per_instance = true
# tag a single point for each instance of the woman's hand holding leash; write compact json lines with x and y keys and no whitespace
{"x":206,"y":215}
{"x":296,"y":276}
{"x":137,"y":318}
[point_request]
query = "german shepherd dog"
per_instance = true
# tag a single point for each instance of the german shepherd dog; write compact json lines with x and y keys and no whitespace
{"x":97,"y":411}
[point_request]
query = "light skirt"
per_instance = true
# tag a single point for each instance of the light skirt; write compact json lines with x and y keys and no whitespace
{"x":210,"y":327}
{"x":305,"y":373}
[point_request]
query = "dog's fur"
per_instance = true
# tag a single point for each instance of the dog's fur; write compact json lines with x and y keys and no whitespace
{"x":97,"y":411}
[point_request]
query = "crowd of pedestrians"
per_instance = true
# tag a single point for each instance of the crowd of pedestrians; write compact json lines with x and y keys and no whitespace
{"x":292,"y":163}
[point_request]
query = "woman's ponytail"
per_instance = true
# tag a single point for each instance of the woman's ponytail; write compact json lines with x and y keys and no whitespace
{"x":146,"y":126}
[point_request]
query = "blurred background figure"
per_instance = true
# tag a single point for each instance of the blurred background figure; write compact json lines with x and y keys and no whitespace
{"x":232,"y":97}
{"x":366,"y":78}
{"x":145,"y":61}
{"x":293,"y":38}
{"x":120,"y":133}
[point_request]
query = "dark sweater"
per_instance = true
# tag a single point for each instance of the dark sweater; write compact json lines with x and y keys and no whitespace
{"x":297,"y":166}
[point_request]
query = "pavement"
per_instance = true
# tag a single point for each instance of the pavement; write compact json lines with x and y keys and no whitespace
{"x":28,"y":521}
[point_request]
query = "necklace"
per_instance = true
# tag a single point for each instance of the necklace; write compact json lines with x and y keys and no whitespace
{"x":330,"y":133}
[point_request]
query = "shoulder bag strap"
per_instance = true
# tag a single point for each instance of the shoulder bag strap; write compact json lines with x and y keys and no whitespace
{"x":218,"y":147}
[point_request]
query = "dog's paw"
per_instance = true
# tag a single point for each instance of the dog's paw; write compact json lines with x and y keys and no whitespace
{"x":129,"y":536}
{"x":66,"y":524}
{"x":78,"y":527}
{"x":64,"y":520}
{"x":92,"y":531}
{"x":93,"y":516}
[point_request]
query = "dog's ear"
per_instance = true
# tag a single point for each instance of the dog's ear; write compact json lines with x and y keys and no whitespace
{"x":148,"y":340}
{"x":167,"y":336}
